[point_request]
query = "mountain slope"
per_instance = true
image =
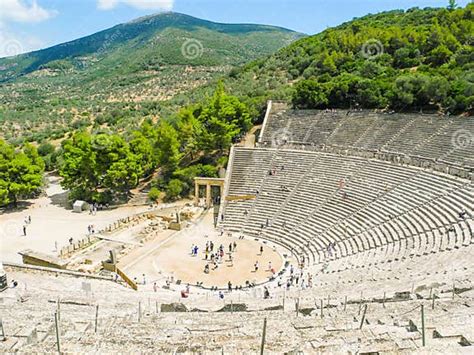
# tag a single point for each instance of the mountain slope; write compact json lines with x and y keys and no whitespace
{"x":170,"y":30}
{"x":120,"y":75}
{"x":401,"y":60}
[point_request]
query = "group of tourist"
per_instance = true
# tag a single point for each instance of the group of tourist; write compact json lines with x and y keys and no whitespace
{"x":215,"y":257}
{"x":297,"y":278}
{"x":135,"y":280}
{"x":94,"y":207}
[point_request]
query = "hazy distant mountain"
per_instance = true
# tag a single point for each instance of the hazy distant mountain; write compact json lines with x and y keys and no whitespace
{"x":151,"y":41}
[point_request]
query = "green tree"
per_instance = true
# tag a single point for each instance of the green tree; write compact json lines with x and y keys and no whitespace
{"x":49,"y":154}
{"x":437,"y":90}
{"x":217,"y":135}
{"x":369,"y":94}
{"x":21,"y":173}
{"x":223,"y":118}
{"x":406,"y":89}
{"x":406,"y":57}
{"x":418,"y":91}
{"x":190,"y":130}
{"x":174,"y":189}
{"x":167,"y":148}
{"x":452,"y":5}
{"x":309,"y":94}
{"x":142,"y":147}
{"x":440,"y":55}
{"x":78,"y":167}
{"x":154,"y":194}
{"x":99,"y":167}
{"x":45,"y":149}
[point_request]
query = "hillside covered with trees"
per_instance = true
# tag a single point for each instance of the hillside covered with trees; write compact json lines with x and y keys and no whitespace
{"x":124,"y":74}
{"x":401,"y":60}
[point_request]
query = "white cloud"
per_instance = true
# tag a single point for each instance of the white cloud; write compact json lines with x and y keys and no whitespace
{"x":107,"y":4}
{"x":22,"y":11}
{"x":166,"y":5}
{"x":12,"y":44}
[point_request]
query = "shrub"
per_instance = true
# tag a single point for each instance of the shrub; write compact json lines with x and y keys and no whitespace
{"x":154,"y":194}
{"x":174,"y":189}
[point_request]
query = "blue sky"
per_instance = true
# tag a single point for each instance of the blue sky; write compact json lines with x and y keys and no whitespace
{"x":32,"y":24}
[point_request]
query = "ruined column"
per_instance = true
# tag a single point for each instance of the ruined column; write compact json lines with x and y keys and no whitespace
{"x":196,"y":193}
{"x":221,"y":191}
{"x":208,"y":195}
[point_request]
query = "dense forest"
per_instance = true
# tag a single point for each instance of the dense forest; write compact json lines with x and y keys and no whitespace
{"x":401,"y":60}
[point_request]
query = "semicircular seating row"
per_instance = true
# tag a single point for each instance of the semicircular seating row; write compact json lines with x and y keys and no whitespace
{"x":324,"y":206}
{"x":448,"y":139}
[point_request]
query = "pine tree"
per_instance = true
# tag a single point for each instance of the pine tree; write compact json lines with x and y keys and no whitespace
{"x":452,"y":5}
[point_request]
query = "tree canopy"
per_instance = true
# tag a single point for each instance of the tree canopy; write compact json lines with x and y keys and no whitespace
{"x":20,"y":173}
{"x":402,"y":60}
{"x":97,"y":167}
{"x":106,"y":166}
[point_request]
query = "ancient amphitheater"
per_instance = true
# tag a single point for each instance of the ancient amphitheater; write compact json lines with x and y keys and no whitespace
{"x":373,"y":216}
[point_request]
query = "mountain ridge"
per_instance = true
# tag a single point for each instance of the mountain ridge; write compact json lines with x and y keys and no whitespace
{"x":143,"y":28}
{"x":129,"y":70}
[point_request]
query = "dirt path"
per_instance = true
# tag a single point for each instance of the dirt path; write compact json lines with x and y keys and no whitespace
{"x":250,"y":139}
{"x":51,"y":223}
